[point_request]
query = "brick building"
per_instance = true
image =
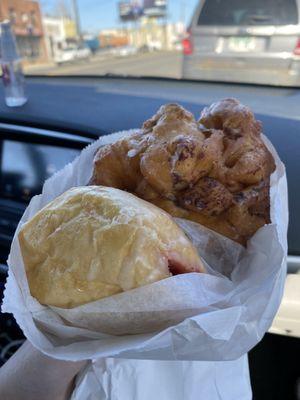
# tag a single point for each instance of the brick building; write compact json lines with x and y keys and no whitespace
{"x":26,"y":20}
{"x":113,"y":38}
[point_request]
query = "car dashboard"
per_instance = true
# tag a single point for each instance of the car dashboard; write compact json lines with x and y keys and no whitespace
{"x":28,"y":156}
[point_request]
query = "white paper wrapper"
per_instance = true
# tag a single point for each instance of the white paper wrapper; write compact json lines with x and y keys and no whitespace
{"x":215,"y":316}
{"x":118,"y":379}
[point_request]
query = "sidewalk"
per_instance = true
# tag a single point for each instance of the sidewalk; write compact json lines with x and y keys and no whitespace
{"x":38,"y":66}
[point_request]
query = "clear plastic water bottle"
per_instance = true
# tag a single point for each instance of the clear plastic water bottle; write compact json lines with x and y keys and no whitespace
{"x":12,"y":74}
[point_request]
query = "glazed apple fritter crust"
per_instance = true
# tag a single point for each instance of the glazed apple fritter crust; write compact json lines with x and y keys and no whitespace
{"x":215,"y":171}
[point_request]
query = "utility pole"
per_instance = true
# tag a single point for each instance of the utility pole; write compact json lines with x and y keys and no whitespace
{"x":166,"y":20}
{"x":77,"y":18}
{"x":183,"y":11}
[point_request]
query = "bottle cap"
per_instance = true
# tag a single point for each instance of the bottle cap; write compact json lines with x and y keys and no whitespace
{"x":9,"y":50}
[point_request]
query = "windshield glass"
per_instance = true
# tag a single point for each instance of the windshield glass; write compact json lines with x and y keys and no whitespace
{"x":242,"y":41}
{"x":245,"y":12}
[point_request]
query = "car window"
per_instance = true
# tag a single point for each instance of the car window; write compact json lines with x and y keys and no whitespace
{"x":151,"y":38}
{"x":245,"y":12}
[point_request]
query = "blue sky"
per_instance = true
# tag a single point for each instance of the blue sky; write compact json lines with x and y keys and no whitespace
{"x":100,"y":14}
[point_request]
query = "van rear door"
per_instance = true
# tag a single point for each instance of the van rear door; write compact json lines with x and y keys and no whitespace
{"x":247,"y":30}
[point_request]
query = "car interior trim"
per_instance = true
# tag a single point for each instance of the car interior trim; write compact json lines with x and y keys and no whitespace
{"x":38,"y":132}
{"x":293,"y":264}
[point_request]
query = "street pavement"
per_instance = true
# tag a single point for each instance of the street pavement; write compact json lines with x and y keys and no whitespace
{"x":164,"y":64}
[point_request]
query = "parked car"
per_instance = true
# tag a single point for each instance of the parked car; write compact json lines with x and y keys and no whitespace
{"x":71,"y":54}
{"x":83,"y":52}
{"x":126,"y":51}
{"x":65,"y":55}
{"x":144,"y":49}
{"x":241,"y":40}
{"x":155,"y":45}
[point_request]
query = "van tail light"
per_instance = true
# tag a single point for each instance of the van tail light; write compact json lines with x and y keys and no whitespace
{"x":187,"y":44}
{"x":297,"y":48}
